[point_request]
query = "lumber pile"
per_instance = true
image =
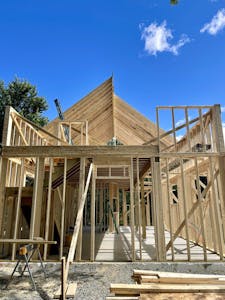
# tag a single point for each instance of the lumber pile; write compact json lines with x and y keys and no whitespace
{"x":167,"y":285}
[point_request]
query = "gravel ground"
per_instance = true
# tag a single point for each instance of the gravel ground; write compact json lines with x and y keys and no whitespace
{"x":93,"y":279}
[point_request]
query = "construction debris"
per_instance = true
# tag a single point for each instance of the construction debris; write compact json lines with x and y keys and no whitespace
{"x":150,"y":284}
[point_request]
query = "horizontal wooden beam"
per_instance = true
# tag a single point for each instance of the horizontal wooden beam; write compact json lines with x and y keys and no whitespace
{"x":27,"y":241}
{"x":79,"y":151}
{"x":137,"y":289}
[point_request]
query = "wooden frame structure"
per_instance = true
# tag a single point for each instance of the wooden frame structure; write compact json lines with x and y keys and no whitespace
{"x":115,"y":169}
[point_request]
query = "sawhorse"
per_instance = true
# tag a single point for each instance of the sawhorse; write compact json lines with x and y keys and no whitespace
{"x":25,"y":254}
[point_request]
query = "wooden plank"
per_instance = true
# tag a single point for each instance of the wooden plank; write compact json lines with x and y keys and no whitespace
{"x":139,"y":208}
{"x":185,"y":209}
{"x":157,"y":124}
{"x":63,"y":209}
{"x":137,"y":273}
{"x":81,"y":191}
{"x":174,"y":131}
{"x":201,"y":209}
{"x":122,"y":298}
{"x":187,"y":128}
{"x":86,"y":133}
{"x":63,"y":279}
{"x":169,"y":208}
{"x":7,"y":126}
{"x":158,"y":209}
{"x":137,"y":289}
{"x":217,"y":131}
{"x":93,"y":191}
{"x":143,"y":210}
{"x":111,"y":226}
{"x":185,"y":106}
{"x":3,"y":177}
{"x":179,"y":280}
{"x":71,"y":290}
{"x":77,"y":223}
{"x":27,"y":241}
{"x":18,"y":204}
{"x":131,"y":172}
{"x":124,"y":207}
{"x":48,"y":207}
{"x":79,"y":151}
{"x":35,"y":223}
{"x":183,"y":296}
{"x":201,"y":126}
{"x":217,"y":214}
{"x":148,"y":221}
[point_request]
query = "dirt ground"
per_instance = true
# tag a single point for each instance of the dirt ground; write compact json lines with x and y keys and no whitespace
{"x":93,"y":279}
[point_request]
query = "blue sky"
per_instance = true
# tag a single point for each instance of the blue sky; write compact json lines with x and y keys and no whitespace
{"x":159,"y":54}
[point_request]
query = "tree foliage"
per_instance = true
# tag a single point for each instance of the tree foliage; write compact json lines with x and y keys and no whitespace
{"x":23,"y":97}
{"x":173,"y":2}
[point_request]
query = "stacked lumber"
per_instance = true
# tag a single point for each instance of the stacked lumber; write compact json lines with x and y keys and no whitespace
{"x":167,"y":285}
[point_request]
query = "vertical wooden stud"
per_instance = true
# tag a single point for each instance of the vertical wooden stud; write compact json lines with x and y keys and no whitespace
{"x":93,"y":190}
{"x":81,"y":191}
{"x":159,"y":220}
{"x":48,"y":207}
{"x":18,"y":206}
{"x":185,"y":209}
{"x":133,"y":255}
{"x":169,"y":208}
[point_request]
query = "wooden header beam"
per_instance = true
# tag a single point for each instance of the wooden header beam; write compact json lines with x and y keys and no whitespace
{"x":79,"y":151}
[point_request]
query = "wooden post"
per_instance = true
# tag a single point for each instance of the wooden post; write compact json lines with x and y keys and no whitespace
{"x":81,"y":191}
{"x":139,"y":208}
{"x":169,"y":208}
{"x":148,"y":221}
{"x":63,"y":279}
{"x":201,"y":209}
{"x":220,"y":147}
{"x":217,"y":214}
{"x":124,"y":208}
{"x":111,"y":205}
{"x":18,"y":205}
{"x":63,"y":209}
{"x":133,"y":255}
{"x":35,"y":222}
{"x":77,"y":223}
{"x":174,"y":131}
{"x":7,"y":126}
{"x":143,"y":211}
{"x":86,"y":133}
{"x":157,"y":122}
{"x":117,"y":206}
{"x":185,"y":209}
{"x":159,"y":221}
{"x":93,"y":188}
{"x":3,"y":177}
{"x":101,"y":199}
{"x":48,"y":207}
{"x":188,"y":129}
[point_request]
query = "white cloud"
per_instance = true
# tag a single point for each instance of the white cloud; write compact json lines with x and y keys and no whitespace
{"x":222,"y":109}
{"x":182,"y":121}
{"x":157,"y":39}
{"x":179,"y":137}
{"x":217,"y":23}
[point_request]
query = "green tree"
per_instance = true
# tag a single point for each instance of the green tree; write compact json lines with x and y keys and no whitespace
{"x":173,"y":2}
{"x":23,"y":97}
